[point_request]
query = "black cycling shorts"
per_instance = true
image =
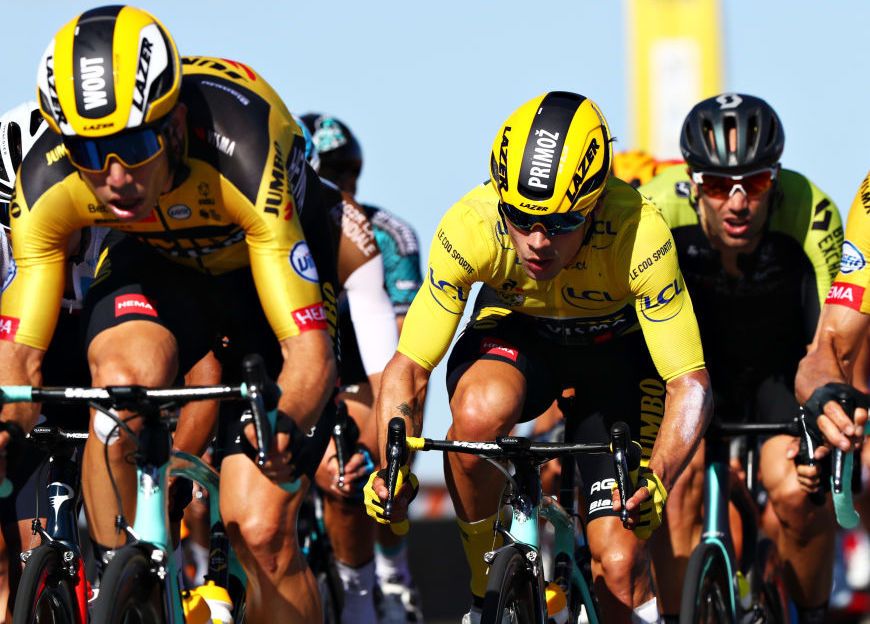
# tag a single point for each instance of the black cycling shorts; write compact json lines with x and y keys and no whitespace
{"x":220,"y":313}
{"x":614,"y":381}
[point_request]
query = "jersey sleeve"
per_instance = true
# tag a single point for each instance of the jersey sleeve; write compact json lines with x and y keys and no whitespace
{"x":850,"y":287}
{"x":281,"y":262}
{"x":662,"y":302}
{"x":401,"y":255}
{"x":34,"y":282}
{"x":457,"y":259}
{"x":823,"y":238}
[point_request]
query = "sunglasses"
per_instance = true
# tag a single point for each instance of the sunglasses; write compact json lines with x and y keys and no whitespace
{"x":132,"y":149}
{"x":721,"y":186}
{"x":553,"y":224}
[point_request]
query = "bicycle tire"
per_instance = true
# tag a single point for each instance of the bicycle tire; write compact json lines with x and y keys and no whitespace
{"x":513,"y":594}
{"x":46,"y":593}
{"x":130,"y":593}
{"x":706,"y":588}
{"x":767,"y":586}
{"x":331,"y":594}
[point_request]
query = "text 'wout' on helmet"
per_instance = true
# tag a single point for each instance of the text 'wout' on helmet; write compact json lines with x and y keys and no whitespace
{"x":732,"y":133}
{"x":552,"y":155}
{"x":110,"y":69}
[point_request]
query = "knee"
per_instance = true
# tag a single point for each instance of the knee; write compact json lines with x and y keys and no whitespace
{"x":267,"y":543}
{"x":480,"y":410}
{"x":619,"y":566}
{"x":795,"y":512}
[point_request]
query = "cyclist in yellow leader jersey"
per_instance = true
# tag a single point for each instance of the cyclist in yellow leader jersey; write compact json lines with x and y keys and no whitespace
{"x":581,"y":288}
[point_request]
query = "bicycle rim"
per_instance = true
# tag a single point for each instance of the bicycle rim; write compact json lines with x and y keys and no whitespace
{"x":46,"y":593}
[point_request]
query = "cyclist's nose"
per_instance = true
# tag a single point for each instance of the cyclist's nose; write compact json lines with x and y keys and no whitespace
{"x":117,"y":175}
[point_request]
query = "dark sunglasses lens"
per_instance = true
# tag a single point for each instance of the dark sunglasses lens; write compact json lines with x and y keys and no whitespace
{"x":553,"y":224}
{"x":133,"y":148}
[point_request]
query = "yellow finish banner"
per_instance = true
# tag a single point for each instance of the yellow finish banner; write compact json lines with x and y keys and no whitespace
{"x":675,"y":60}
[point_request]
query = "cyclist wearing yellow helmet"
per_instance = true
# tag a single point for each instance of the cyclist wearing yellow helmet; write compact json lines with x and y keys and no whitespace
{"x":581,"y":289}
{"x":204,"y":169}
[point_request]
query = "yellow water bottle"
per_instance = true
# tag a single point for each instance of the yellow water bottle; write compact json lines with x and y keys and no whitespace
{"x":196,"y":610}
{"x":557,"y":604}
{"x":218,"y":600}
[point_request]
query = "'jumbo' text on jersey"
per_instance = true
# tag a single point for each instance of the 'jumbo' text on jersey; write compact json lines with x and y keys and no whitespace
{"x":625,"y":275}
{"x":234,"y":204}
{"x":851,"y":287}
{"x":756,"y":324}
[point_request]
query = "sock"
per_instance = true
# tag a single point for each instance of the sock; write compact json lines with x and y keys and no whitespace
{"x":477,"y":539}
{"x":199,"y":557}
{"x":391,"y":564}
{"x":358,"y":583}
{"x":813,"y":615}
{"x":647,"y":613}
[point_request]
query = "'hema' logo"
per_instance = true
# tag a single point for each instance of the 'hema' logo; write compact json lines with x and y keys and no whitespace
{"x":93,"y":83}
{"x":134,"y":304}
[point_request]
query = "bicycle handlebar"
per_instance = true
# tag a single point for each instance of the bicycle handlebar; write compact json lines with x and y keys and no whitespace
{"x":626,"y":455}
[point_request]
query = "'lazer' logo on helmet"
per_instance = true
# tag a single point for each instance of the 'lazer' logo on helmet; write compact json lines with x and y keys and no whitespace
{"x":582,"y":170}
{"x":542,"y":159}
{"x":499,"y":172}
{"x":93,"y":83}
{"x":56,"y":110}
{"x":142,"y":73}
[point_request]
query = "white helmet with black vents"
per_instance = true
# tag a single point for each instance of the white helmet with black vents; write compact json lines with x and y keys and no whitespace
{"x":19,"y":129}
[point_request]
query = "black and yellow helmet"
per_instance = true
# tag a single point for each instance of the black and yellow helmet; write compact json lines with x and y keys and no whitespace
{"x":552,"y":155}
{"x":110,"y":69}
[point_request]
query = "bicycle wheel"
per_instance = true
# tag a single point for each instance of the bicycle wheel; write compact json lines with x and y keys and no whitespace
{"x":46,"y":593}
{"x":513,"y":594}
{"x":129,"y":592}
{"x":768,"y":589}
{"x":706,"y":590}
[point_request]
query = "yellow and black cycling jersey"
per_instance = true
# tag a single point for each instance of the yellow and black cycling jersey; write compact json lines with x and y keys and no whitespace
{"x":234,"y":203}
{"x":624,"y":277}
{"x":851,"y":287}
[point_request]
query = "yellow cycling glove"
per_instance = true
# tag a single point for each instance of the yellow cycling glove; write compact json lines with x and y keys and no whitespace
{"x":653,"y":508}
{"x":374,"y":505}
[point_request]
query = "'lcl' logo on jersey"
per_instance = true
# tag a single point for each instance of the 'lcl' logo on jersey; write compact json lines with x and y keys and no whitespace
{"x":93,"y":83}
{"x":654,"y":305}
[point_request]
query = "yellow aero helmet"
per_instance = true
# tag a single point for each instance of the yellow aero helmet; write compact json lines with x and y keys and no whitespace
{"x":110,"y":69}
{"x":552,"y":155}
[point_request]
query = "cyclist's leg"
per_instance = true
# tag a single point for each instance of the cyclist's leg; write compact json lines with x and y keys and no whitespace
{"x":132,"y":339}
{"x":138,"y":352}
{"x":671,"y":546}
{"x":260,"y":519}
{"x":635,"y":395}
{"x":804,"y":533}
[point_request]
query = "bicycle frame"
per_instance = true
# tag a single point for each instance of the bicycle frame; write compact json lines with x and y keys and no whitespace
{"x":716,"y":526}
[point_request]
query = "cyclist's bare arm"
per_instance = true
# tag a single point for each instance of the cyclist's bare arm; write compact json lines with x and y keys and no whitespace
{"x":403,"y":393}
{"x":831,"y":358}
{"x":688,"y":408}
{"x":20,"y":365}
{"x":307,"y":376}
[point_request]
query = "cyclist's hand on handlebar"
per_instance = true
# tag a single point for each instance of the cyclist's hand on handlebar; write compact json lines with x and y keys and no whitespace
{"x":838,"y":427}
{"x":375,"y":495}
{"x":279,"y":458}
{"x":646,"y":507}
{"x":809,"y":475}
{"x":357,"y":470}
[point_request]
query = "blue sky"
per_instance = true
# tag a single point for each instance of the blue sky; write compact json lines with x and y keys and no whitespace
{"x":426,"y":86}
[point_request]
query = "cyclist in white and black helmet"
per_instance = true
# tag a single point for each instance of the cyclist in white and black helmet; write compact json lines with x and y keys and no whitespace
{"x":338,"y":158}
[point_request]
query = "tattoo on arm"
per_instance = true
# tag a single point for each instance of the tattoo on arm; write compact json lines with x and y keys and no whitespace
{"x":405,"y":410}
